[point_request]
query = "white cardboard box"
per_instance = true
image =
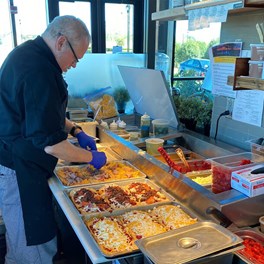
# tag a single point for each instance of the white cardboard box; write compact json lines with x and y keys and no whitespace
{"x":247,"y":183}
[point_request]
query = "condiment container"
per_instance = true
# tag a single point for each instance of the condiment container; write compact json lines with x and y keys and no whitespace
{"x":104,"y":124}
{"x":152,"y":145}
{"x":113,"y":125}
{"x":261,"y":222}
{"x":160,"y":126}
{"x":122,"y":124}
{"x":145,"y":125}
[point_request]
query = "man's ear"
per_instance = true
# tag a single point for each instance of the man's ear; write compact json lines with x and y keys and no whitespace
{"x":60,"y":43}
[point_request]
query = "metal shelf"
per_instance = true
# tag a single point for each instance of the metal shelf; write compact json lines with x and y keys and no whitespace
{"x":180,"y":13}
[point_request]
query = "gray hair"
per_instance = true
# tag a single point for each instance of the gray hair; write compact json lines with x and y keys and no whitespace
{"x":70,"y":26}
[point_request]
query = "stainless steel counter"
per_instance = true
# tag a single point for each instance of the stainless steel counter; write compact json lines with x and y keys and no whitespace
{"x":195,"y":197}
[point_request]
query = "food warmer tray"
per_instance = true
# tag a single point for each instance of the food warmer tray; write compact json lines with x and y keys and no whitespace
{"x":118,"y":213}
{"x":169,"y":198}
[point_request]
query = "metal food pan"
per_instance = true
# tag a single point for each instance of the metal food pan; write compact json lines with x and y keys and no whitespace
{"x":169,"y":197}
{"x":120,"y":213}
{"x":202,"y":174}
{"x":188,"y":243}
{"x":252,"y":234}
{"x":91,"y":181}
{"x":188,"y":155}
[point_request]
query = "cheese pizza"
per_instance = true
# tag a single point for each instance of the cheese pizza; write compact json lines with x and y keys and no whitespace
{"x":110,"y":235}
{"x":141,"y":224}
{"x":172,"y":216}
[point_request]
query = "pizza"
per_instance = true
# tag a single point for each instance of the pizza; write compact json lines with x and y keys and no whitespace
{"x":112,"y":197}
{"x":145,"y":194}
{"x":141,"y":224}
{"x":117,"y":234}
{"x":110,"y":236}
{"x":88,"y":200}
{"x":117,"y":196}
{"x":172,"y":217}
{"x":87,"y":174}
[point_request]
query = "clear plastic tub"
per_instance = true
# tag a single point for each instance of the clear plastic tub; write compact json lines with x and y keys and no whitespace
{"x":255,"y":69}
{"x":257,"y":146}
{"x":160,"y":126}
{"x":222,"y":168}
{"x":257,"y":52}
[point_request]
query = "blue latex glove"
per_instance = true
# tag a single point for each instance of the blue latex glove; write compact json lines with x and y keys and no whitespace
{"x":99,"y":159}
{"x":86,"y":141}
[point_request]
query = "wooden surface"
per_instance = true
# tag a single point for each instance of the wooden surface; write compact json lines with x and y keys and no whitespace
{"x":245,"y":83}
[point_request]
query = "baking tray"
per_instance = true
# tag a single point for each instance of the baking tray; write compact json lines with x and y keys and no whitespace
{"x":116,"y":214}
{"x":91,"y":179}
{"x":252,"y":234}
{"x":167,"y":197}
{"x":188,"y":243}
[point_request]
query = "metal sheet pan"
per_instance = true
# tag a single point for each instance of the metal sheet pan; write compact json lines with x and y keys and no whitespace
{"x":123,"y":183}
{"x":120,"y":213}
{"x":188,"y":243}
{"x":91,"y":179}
{"x":252,"y":234}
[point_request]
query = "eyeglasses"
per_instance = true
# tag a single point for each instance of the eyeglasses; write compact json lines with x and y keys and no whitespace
{"x":73,"y":52}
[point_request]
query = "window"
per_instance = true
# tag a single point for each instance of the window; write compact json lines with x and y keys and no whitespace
{"x":119,"y":27}
{"x":29,"y":23}
{"x":81,"y":10}
{"x":6,"y":38}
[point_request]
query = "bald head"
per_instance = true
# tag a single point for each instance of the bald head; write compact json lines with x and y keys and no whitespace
{"x":68,"y":38}
{"x":70,"y":26}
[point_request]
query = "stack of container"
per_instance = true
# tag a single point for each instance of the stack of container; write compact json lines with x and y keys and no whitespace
{"x":257,"y":61}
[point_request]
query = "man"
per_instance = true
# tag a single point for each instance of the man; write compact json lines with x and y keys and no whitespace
{"x":33,"y":135}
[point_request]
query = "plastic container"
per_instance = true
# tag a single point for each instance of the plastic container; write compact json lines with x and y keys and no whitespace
{"x":261,"y":222}
{"x":160,"y":126}
{"x":152,"y":145}
{"x":257,"y":52}
{"x":222,"y":168}
{"x":256,"y":69}
{"x":257,"y":146}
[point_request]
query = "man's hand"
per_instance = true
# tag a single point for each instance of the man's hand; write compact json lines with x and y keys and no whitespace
{"x":99,"y":159}
{"x":86,"y":141}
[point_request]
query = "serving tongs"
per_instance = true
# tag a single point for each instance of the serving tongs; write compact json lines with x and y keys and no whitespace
{"x":182,"y":157}
{"x":173,"y":166}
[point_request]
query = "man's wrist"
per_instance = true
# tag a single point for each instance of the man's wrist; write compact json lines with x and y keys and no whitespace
{"x":75,"y":130}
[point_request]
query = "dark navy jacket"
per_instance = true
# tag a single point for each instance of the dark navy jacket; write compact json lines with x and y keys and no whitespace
{"x":33,"y":99}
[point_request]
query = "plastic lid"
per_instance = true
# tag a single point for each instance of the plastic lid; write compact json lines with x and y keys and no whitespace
{"x":257,"y":45}
{"x":160,"y":122}
{"x":255,"y":62}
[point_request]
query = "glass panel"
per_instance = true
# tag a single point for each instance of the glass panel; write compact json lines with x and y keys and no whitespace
{"x":6,"y":37}
{"x":119,"y":27}
{"x":81,"y":10}
{"x":30,"y":19}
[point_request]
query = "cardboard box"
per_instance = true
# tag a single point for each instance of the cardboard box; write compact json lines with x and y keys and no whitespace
{"x":247,"y":183}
